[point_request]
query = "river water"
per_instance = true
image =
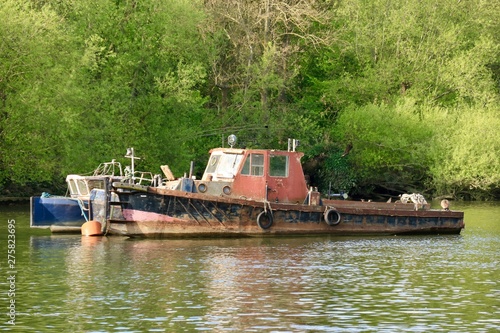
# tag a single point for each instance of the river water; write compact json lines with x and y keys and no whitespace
{"x":70,"y":283}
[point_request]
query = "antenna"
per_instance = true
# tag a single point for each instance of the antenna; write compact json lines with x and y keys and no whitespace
{"x":130,"y":154}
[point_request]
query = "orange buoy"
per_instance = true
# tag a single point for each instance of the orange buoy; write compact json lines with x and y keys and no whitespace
{"x":92,"y":228}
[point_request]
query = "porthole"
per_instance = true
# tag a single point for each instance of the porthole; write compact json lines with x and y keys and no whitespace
{"x":202,"y":188}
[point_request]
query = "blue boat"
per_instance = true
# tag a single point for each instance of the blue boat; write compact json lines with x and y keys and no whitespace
{"x":47,"y":210}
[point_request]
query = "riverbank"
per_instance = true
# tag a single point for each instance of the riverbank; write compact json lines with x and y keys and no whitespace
{"x":13,"y":200}
{"x":11,"y":193}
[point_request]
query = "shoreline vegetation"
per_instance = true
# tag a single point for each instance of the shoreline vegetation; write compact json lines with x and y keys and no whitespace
{"x":386,"y":97}
{"x":13,"y":200}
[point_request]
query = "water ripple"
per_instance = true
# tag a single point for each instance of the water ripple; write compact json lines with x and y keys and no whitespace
{"x":310,"y":284}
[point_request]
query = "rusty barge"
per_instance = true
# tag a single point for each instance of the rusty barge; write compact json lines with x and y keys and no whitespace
{"x":259,"y":192}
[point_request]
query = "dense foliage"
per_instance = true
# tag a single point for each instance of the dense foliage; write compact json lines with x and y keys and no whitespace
{"x":413,"y":87}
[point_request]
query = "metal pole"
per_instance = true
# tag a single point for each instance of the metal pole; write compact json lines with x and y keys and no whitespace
{"x":191,"y":167}
{"x":107,"y":199}
{"x":133,"y":169}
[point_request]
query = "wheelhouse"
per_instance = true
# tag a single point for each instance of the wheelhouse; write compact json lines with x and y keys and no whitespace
{"x":271,"y":175}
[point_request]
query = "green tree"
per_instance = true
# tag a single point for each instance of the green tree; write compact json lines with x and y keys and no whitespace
{"x":37,"y":56}
{"x":402,"y":82}
{"x":142,"y":69}
{"x":465,"y":152}
{"x":259,"y":46}
{"x":402,"y":65}
{"x":390,"y":146}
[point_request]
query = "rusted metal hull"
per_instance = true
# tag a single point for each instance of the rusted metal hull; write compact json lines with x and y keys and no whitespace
{"x":166,"y":213}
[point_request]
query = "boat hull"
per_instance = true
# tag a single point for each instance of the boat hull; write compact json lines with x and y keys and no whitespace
{"x":157,"y":213}
{"x":54,"y":212}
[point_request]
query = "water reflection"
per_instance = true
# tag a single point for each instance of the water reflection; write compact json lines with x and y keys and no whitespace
{"x":310,"y":284}
{"x":298,"y":284}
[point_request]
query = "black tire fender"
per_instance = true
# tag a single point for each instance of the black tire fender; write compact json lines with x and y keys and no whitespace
{"x":265,"y":220}
{"x":332,"y":216}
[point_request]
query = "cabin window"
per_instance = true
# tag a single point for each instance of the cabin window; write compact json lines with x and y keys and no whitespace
{"x":98,"y":184}
{"x":254,"y":165}
{"x":212,"y":164}
{"x":78,"y":187}
{"x":82,"y":187}
{"x":278,"y":166}
{"x":228,"y":165}
{"x":73,"y":189}
{"x":223,"y":165}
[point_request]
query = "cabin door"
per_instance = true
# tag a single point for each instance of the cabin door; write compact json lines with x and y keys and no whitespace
{"x":250,"y":182}
{"x":285,"y":179}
